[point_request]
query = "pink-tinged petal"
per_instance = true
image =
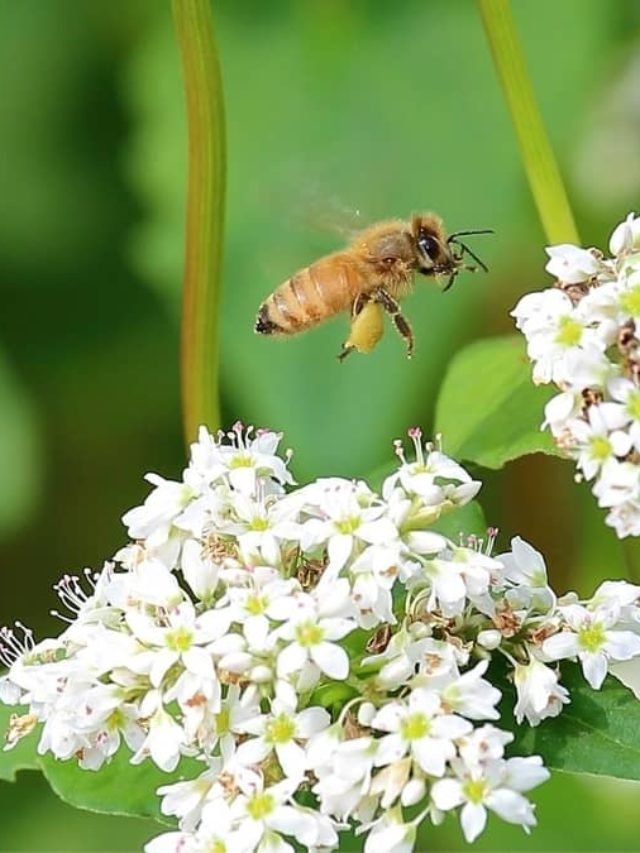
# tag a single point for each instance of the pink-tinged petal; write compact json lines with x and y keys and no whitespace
{"x":291,"y":659}
{"x":252,"y":752}
{"x":311,"y":721}
{"x":562,"y":645}
{"x":473,"y":819}
{"x":332,"y":660}
{"x":447,"y":794}
{"x":292,"y":759}
{"x":594,"y":668}
{"x":390,"y":748}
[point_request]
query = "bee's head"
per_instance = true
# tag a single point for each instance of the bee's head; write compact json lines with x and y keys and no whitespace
{"x":439,"y":254}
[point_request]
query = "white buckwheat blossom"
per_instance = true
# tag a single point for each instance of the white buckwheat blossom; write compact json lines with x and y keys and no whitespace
{"x":330,"y":661}
{"x":582,"y":336}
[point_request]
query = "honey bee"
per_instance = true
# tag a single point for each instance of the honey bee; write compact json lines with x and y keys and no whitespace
{"x":376,"y":269}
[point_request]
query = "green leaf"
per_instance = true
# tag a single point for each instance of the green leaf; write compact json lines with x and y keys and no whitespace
{"x":23,"y":756}
{"x":489,"y":411}
{"x":597,"y":733}
{"x":468,"y":519}
{"x":118,"y":788}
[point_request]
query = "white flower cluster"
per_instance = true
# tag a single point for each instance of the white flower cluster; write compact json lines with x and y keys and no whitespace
{"x":323,"y":653}
{"x":582,"y":336}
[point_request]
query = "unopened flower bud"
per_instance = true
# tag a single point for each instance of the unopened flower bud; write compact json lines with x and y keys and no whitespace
{"x":489,"y":639}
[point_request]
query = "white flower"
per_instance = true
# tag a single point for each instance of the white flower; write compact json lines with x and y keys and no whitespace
{"x":596,"y":443}
{"x":282,"y":730}
{"x":470,"y":694}
{"x":539,"y":693}
{"x":163,"y":742}
{"x":154,"y":520}
{"x":391,"y":834}
{"x":570,"y":264}
{"x":496,"y":786}
{"x":525,"y":567}
{"x":244,"y":461}
{"x":263,"y":814}
{"x":625,"y":235}
{"x":180,"y":639}
{"x":420,"y":728}
{"x":590,"y":638}
{"x":311,"y":638}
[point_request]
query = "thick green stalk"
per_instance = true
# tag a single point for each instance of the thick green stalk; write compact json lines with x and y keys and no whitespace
{"x":205,"y":215}
{"x":539,"y":161}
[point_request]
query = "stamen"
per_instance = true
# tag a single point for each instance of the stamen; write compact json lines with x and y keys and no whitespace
{"x":13,"y":647}
{"x":492,"y":535}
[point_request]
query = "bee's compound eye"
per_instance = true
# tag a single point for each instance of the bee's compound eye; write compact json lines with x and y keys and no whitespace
{"x":429,"y":245}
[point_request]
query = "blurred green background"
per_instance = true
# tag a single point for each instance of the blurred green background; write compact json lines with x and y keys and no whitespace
{"x":331,"y":105}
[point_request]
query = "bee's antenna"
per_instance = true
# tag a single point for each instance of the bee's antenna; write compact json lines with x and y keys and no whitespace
{"x":466,"y":249}
{"x":452,"y":278}
{"x":455,"y":234}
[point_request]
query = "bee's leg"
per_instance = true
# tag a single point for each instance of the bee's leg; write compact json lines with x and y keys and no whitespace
{"x":392,"y":307}
{"x":358,"y":304}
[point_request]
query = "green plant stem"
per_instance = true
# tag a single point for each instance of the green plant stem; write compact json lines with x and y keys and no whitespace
{"x":205,"y":215}
{"x":540,"y":164}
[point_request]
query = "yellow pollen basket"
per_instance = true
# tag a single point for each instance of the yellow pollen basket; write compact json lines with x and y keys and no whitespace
{"x":366,"y":329}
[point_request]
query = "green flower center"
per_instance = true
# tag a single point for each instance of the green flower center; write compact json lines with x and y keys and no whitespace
{"x":415,"y":727}
{"x":259,"y":524}
{"x":600,"y":448}
{"x":592,"y":637}
{"x":280,"y":730}
{"x":633,"y":405}
{"x":223,"y":721}
{"x":261,"y":806}
{"x":116,"y":720}
{"x":475,"y":790}
{"x":217,"y":847}
{"x":630,"y":301}
{"x":348,"y":525}
{"x":256,"y":604}
{"x":569,"y":332}
{"x":241,"y":460}
{"x":309,"y":634}
{"x":179,"y":640}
